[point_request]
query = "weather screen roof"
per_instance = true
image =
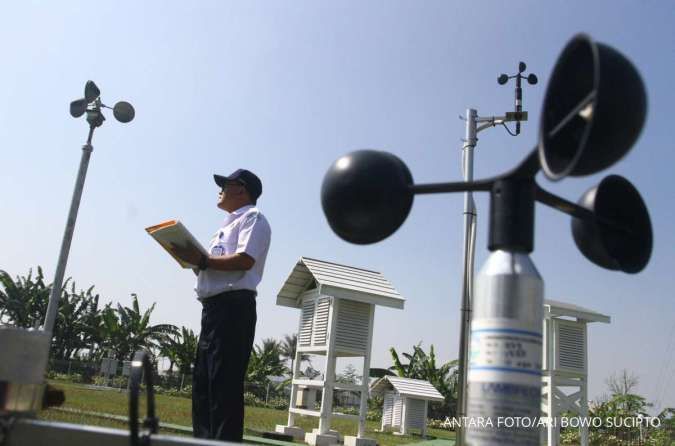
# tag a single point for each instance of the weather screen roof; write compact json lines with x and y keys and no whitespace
{"x":556,"y":308}
{"x":333,"y":279}
{"x":412,"y":388}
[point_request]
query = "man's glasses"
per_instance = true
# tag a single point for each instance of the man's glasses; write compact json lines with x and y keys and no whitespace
{"x":230,"y":184}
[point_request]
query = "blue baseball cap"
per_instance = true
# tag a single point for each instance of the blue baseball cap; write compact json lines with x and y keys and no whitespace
{"x":250,"y":181}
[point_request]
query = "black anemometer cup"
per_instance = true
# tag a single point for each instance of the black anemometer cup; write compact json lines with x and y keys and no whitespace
{"x":366,"y":195}
{"x":124,"y":112}
{"x":78,"y":107}
{"x":593,"y":111}
{"x":626,"y":243}
{"x":91,"y":92}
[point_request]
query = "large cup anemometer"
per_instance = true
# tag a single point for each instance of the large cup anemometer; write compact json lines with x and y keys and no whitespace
{"x":593,"y":112}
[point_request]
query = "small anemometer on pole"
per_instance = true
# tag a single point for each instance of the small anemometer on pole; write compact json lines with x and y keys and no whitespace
{"x":593,"y":111}
{"x":92,"y":105}
{"x":518,"y":114}
{"x":470,"y":215}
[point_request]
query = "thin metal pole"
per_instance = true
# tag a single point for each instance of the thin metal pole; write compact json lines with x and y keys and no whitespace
{"x":55,"y":293}
{"x":519,"y":101}
{"x":469,"y":215}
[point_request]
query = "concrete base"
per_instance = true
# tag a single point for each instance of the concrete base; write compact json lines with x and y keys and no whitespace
{"x":320,"y":439}
{"x":356,"y":441}
{"x":334,"y":433}
{"x":294,"y":431}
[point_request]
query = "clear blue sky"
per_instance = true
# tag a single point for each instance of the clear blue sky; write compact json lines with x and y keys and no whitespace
{"x":284,"y":88}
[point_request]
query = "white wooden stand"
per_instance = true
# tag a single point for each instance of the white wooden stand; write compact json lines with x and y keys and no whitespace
{"x":338,"y":310}
{"x":405,"y":403}
{"x":565,"y":365}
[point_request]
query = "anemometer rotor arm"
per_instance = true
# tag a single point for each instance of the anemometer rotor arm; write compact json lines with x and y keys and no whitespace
{"x":526,"y":170}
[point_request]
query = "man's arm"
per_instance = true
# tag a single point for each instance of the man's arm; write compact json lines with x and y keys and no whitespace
{"x":254,"y":238}
{"x":233,"y":262}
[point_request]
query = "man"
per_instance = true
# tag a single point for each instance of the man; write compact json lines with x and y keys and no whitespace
{"x":226,"y":286}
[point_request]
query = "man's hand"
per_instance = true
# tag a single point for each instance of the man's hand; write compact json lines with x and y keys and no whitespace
{"x":189,"y":254}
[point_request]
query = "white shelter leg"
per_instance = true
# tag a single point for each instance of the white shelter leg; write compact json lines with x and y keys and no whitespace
{"x":365,"y":384}
{"x":404,"y":418}
{"x":553,"y":432}
{"x":294,"y":388}
{"x":363,"y":408}
{"x":329,"y":379}
{"x":327,"y":396}
{"x":583,"y":404}
{"x":543,"y":433}
{"x":424,"y":420}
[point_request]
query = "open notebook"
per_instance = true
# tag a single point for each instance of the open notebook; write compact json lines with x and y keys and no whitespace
{"x":173,"y":232}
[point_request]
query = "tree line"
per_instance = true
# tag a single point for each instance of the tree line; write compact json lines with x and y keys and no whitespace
{"x":88,"y":329}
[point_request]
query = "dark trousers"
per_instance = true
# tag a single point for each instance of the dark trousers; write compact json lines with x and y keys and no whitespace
{"x":228,"y":328}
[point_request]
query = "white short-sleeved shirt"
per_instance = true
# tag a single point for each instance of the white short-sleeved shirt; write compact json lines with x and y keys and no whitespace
{"x":245,"y":230}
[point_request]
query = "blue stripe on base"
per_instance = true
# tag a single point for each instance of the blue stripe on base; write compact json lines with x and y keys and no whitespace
{"x":507,"y":369}
{"x":506,"y":330}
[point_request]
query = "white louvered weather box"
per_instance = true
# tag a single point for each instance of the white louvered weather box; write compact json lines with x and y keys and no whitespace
{"x":337,"y":309}
{"x":405,"y":403}
{"x":565,"y":364}
{"x":569,"y":346}
{"x":352,"y":328}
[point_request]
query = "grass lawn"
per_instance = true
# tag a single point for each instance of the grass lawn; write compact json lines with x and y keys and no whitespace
{"x":176,"y":410}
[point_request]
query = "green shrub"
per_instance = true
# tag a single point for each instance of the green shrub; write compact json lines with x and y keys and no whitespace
{"x":117,"y":381}
{"x":186,"y":392}
{"x":73,"y":377}
{"x":371,"y":415}
{"x":273,"y":403}
{"x":438,"y":424}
